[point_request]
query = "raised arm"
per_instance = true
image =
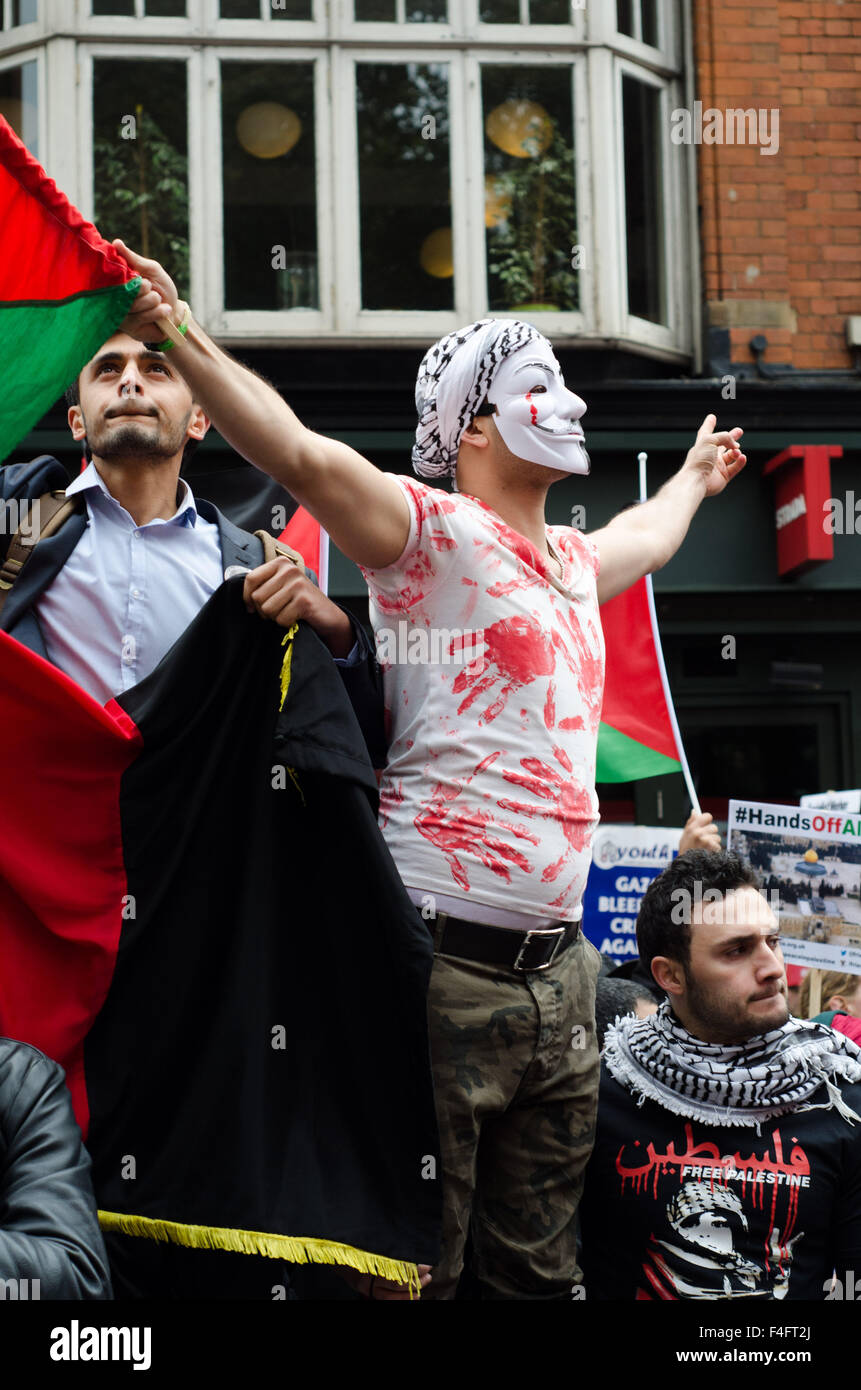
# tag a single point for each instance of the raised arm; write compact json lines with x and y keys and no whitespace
{"x":645,"y":537}
{"x":362,"y":508}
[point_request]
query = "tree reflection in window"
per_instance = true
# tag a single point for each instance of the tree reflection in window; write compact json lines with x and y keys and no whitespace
{"x":530,"y":210}
{"x":140,"y":159}
{"x":404,"y":186}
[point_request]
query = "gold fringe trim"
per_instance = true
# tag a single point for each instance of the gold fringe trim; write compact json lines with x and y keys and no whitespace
{"x":298,"y":1250}
{"x":286,"y":664}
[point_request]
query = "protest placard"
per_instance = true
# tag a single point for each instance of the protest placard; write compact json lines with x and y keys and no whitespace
{"x":625,"y":859}
{"x":810,"y":863}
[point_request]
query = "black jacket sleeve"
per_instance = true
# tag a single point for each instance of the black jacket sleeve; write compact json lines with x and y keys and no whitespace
{"x":49,"y":1228}
{"x":363,"y":682}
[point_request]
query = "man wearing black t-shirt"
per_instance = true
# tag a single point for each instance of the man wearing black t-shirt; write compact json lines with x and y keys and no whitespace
{"x":727,"y":1162}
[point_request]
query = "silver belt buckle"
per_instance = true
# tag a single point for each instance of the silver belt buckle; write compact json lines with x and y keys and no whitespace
{"x":558,"y":932}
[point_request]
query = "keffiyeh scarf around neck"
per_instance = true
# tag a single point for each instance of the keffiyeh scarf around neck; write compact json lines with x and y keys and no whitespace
{"x":453,"y":380}
{"x":769,"y":1075}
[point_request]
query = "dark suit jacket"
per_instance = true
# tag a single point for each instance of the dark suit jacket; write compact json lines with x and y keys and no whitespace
{"x":25,"y":481}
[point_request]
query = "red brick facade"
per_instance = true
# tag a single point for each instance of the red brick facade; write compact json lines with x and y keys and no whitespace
{"x":781,"y":234}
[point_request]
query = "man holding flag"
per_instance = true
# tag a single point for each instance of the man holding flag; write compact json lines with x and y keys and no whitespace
{"x":183,"y":778}
{"x":488,"y":799}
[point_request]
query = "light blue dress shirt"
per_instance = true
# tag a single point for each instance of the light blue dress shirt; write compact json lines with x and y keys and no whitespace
{"x":127,"y":592}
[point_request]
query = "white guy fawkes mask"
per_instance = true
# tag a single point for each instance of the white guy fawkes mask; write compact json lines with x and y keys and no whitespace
{"x":536,"y":414}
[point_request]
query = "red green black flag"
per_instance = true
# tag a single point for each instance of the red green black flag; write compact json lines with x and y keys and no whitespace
{"x":201,"y":922}
{"x":63,"y":290}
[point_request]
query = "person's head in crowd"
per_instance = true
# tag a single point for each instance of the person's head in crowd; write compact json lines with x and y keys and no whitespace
{"x":614,"y":998}
{"x":493,"y":407}
{"x":130,"y":406}
{"x":711,"y":942}
{"x":841,"y":994}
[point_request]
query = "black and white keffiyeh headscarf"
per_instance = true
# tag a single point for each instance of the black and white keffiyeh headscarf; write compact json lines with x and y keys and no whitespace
{"x":452,"y":382}
{"x":769,"y":1075}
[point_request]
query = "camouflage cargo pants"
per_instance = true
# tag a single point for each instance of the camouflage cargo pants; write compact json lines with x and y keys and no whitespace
{"x":515,"y":1065}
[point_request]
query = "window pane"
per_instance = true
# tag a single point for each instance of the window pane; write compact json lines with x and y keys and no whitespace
{"x":290,"y":9}
{"x":550,"y":11}
{"x":625,"y":17}
{"x":114,"y":7}
{"x":24,"y":11}
{"x":161,"y":9}
{"x":18,"y":103}
{"x":240,"y":9}
{"x":426,"y":11}
{"x":270,"y":205}
{"x":140,"y":158}
{"x":643,"y":201}
{"x":375,"y":11}
{"x":404,"y":186}
{"x":649,"y":13}
{"x":499,"y":12}
{"x":530,"y":209}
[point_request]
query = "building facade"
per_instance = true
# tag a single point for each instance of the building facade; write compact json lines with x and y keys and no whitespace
{"x":668,"y":189}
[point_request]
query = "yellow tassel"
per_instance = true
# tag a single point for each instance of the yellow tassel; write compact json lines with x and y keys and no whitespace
{"x":295,"y":780}
{"x":287,"y":662}
{"x":297,"y":1250}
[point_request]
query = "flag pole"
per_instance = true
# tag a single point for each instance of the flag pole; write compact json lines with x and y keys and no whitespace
{"x":680,"y":748}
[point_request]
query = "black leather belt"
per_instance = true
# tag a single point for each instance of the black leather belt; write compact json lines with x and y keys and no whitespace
{"x":519,"y":950}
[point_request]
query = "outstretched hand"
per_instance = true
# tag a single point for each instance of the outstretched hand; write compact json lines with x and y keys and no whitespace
{"x":156,"y":300}
{"x":716,"y":456}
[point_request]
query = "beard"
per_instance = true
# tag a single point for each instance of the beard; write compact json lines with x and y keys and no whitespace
{"x":727,"y":1019}
{"x":137,"y":441}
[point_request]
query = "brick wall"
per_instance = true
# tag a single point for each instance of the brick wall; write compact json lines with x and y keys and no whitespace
{"x":781,"y":234}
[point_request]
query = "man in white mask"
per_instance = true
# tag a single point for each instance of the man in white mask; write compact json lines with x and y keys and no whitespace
{"x":488,"y":799}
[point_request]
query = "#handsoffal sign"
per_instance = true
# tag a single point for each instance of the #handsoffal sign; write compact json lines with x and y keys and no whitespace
{"x":810,"y":863}
{"x":625,"y":859}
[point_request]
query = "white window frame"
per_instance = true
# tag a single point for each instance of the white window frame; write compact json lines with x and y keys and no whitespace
{"x":139,"y":28}
{"x":596,"y":55}
{"x":88,"y":54}
{"x":675,"y":334}
{"x":352,"y":319}
{"x":264,"y":29}
{"x":569,"y":322}
{"x":602,"y":25}
{"x":271,"y":324}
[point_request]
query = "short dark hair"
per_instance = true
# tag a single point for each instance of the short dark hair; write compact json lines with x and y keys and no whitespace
{"x":72,"y":395}
{"x":665,"y":930}
{"x":615,"y":997}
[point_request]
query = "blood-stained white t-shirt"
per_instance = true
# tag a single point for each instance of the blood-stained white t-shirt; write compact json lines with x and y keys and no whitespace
{"x":493,"y":673}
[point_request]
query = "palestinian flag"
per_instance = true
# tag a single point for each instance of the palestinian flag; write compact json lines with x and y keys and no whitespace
{"x":639,"y":735}
{"x":308,"y":537}
{"x":201,"y":922}
{"x":63,"y":290}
